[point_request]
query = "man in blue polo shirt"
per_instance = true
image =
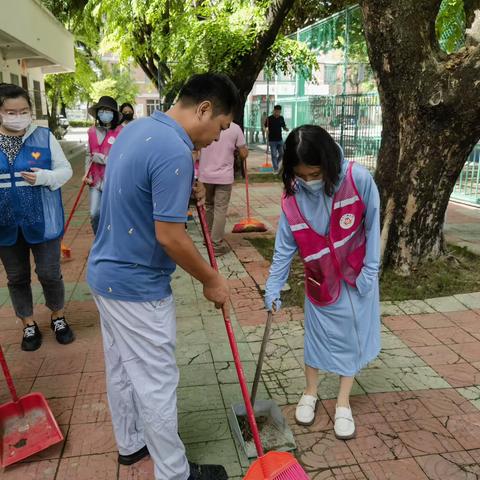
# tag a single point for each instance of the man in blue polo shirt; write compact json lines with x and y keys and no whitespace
{"x":140,"y":240}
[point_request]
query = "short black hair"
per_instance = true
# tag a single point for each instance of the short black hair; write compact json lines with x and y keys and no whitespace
{"x":125,"y":104}
{"x":277,"y":107}
{"x":214,"y":87}
{"x":313,"y":146}
{"x":9,"y":91}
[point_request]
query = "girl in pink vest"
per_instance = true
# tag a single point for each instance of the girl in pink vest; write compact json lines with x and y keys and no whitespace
{"x":330,"y":215}
{"x":100,"y":140}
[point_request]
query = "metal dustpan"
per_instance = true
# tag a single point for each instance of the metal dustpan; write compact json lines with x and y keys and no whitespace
{"x":275,"y":434}
{"x":27,"y":425}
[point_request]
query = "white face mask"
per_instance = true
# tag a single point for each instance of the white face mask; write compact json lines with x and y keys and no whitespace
{"x":16,"y":123}
{"x":312,"y":185}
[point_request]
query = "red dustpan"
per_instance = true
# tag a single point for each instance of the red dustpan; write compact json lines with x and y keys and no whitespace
{"x":27,"y":425}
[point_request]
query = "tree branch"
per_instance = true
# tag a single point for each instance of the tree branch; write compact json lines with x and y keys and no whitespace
{"x":469,"y":6}
{"x":462,"y":71}
{"x":144,"y":66}
{"x":254,"y":60}
{"x":275,"y":16}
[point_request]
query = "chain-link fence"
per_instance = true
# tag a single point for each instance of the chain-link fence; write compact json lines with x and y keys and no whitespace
{"x":342,"y":95}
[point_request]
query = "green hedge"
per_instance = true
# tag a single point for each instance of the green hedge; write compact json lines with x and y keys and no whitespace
{"x":81,"y":123}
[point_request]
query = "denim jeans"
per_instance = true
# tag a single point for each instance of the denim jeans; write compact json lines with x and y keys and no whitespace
{"x":276,"y":150}
{"x":95,"y":198}
{"x":16,"y":260}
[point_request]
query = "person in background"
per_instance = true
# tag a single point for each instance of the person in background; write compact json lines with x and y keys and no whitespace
{"x":274,"y":125}
{"x":330,"y":215}
{"x":101,"y":137}
{"x":216,"y":174}
{"x":141,"y":239}
{"x":33,"y":167}
{"x":127,"y":111}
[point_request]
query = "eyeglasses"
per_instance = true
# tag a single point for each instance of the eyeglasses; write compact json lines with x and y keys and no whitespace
{"x":15,"y":113}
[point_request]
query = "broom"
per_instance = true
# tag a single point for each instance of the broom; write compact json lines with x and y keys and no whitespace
{"x":248,"y":224}
{"x":266,"y":167}
{"x":67,"y":251}
{"x":272,"y":465}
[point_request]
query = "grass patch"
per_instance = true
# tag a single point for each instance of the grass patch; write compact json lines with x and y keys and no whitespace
{"x":262,"y":178}
{"x":457,"y":272}
{"x":295,"y":296}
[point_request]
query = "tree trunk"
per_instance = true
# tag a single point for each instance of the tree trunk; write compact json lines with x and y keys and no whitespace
{"x":52,"y":111}
{"x":247,"y":69}
{"x":431,"y":121}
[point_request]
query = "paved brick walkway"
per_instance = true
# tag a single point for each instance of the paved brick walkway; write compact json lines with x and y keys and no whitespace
{"x":417,"y":407}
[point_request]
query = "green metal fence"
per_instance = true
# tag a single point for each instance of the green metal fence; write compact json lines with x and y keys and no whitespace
{"x":467,"y":187}
{"x":342,"y":95}
{"x":354,"y":121}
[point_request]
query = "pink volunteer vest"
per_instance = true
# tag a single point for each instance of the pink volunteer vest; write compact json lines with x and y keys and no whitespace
{"x":338,"y":256}
{"x":97,"y":171}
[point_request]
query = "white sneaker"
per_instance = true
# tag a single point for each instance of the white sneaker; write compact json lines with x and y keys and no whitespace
{"x":344,"y":425}
{"x":305,"y":411}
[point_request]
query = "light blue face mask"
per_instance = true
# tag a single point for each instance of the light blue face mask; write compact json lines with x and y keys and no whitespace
{"x":311,"y":185}
{"x":105,"y":116}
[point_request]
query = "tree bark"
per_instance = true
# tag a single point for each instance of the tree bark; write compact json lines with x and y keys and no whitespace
{"x":431,"y":122}
{"x":248,"y":67}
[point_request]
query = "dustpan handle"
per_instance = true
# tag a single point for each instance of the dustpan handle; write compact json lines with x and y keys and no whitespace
{"x":261,"y":357}
{"x":8,"y":377}
{"x":231,"y":339}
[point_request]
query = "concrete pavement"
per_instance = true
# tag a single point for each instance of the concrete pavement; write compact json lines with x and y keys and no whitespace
{"x":417,"y":406}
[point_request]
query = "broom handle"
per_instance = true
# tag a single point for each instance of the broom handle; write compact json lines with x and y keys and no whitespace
{"x":77,"y":201}
{"x":246,"y":188}
{"x":231,"y":339}
{"x":261,"y":357}
{"x":8,"y":377}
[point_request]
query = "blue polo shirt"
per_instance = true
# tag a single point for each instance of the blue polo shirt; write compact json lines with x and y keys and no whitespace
{"x":149,"y":177}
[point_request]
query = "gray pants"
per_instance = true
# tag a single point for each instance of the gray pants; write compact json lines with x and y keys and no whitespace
{"x":16,"y":260}
{"x":142,"y":376}
{"x":216,"y":205}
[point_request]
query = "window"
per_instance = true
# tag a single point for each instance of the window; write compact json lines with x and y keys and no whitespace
{"x":330,"y":74}
{"x":37,"y":98}
{"x":152,"y":105}
{"x":14,"y":79}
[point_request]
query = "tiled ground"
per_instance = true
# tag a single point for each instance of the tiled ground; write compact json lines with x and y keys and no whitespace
{"x":417,"y":406}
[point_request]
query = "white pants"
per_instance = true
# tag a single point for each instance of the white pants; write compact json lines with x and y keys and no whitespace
{"x":142,"y":377}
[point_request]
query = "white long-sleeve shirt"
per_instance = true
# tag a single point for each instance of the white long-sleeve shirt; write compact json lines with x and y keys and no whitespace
{"x":61,"y":171}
